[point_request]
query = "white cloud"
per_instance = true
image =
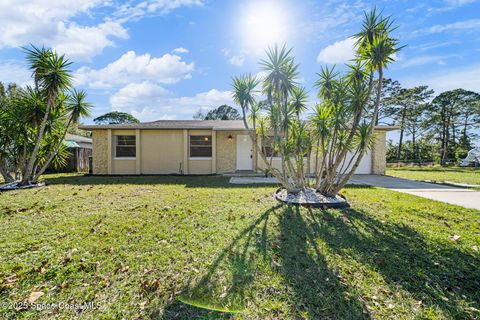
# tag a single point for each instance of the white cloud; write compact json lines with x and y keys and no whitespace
{"x":12,"y":71}
{"x":237,"y":60}
{"x":138,"y":94}
{"x":152,"y":7}
{"x":82,"y":43}
{"x":226,"y":52}
{"x":210,"y":98}
{"x":338,"y":17}
{"x":459,"y":3}
{"x":423,"y":60}
{"x":48,"y":22}
{"x":460,"y":25}
{"x":148,"y":101}
{"x":466,"y":78}
{"x":339,"y":52}
{"x":180,"y":50}
{"x":131,"y":67}
{"x":51,"y":23}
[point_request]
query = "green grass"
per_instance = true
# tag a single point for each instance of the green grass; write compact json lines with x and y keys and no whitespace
{"x":438,"y":174}
{"x":199,"y":248}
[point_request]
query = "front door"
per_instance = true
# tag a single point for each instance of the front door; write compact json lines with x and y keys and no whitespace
{"x":244,"y":153}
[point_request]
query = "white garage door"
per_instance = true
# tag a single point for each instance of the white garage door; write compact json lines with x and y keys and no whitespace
{"x":365,"y":166}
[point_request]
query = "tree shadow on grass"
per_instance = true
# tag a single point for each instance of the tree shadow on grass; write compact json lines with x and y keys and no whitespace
{"x":216,"y":296}
{"x":277,"y":261}
{"x":444,"y":278}
{"x":318,"y":292}
{"x":232,"y":283}
{"x":212,"y":181}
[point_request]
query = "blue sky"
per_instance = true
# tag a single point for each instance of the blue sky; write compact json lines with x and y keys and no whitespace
{"x":162,"y":59}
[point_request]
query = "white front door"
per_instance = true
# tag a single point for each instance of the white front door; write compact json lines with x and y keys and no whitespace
{"x":244,"y":153}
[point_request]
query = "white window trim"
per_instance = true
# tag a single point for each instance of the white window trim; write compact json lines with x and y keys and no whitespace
{"x":200,"y":158}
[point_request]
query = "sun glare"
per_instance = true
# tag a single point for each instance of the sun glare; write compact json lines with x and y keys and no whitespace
{"x":264,"y":23}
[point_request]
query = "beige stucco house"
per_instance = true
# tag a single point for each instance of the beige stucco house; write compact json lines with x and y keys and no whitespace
{"x":192,"y":147}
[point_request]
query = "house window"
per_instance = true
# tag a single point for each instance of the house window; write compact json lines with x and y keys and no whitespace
{"x":125,"y":147}
{"x":200,"y":146}
{"x":267,"y":147}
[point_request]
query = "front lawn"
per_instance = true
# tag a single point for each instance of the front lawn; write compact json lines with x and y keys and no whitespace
{"x":438,"y":174}
{"x":156,"y":247}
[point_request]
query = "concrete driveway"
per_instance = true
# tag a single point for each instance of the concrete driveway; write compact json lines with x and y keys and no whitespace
{"x":467,"y":198}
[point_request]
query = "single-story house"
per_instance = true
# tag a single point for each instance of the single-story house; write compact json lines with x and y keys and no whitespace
{"x":193,"y":147}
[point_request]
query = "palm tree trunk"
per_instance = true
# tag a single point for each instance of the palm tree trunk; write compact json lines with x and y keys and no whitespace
{"x":369,"y":135}
{"x":356,"y":122}
{"x":253,"y":136}
{"x":7,"y":177}
{"x":52,"y":155}
{"x":27,"y":175}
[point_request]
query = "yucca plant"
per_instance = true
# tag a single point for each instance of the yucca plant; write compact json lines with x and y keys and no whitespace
{"x":51,"y":77}
{"x":313,"y":149}
{"x":36,"y":119}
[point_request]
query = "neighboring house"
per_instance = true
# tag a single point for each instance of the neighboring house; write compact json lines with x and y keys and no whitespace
{"x":193,"y":147}
{"x":80,"y":149}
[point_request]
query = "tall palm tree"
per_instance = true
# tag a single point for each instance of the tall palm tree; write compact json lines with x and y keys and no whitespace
{"x":76,"y":107}
{"x":52,"y":77}
{"x":375,"y":50}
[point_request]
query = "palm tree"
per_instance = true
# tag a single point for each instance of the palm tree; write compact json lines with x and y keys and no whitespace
{"x":52,"y":77}
{"x":76,"y":107}
{"x":375,"y":49}
{"x":341,"y":122}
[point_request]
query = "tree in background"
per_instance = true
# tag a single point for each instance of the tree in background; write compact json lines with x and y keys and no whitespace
{"x":453,"y":113}
{"x":424,"y":151}
{"x":406,"y":108}
{"x":390,"y":89}
{"x":115,"y":117}
{"x":35,"y":119}
{"x":224,"y":112}
{"x":468,"y":120}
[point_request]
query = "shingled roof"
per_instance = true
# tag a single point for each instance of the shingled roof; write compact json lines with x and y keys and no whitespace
{"x":188,"y":124}
{"x":174,"y":124}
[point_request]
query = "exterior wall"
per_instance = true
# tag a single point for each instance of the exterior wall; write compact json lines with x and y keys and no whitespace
{"x":166,"y":152}
{"x":226,"y":151}
{"x":122,"y":165}
{"x":379,"y":153}
{"x":199,"y":165}
{"x":100,"y":151}
{"x":161,"y":151}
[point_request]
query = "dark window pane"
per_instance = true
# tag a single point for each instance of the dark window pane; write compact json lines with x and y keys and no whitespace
{"x":124,"y":152}
{"x":125,"y":147}
{"x":201,"y":140}
{"x":126,"y":140}
{"x":200,"y":146}
{"x":200,"y":152}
